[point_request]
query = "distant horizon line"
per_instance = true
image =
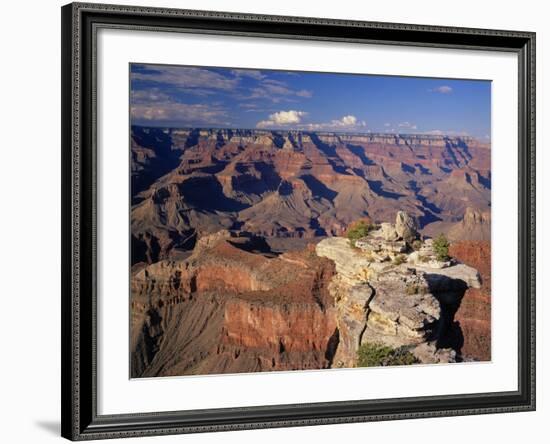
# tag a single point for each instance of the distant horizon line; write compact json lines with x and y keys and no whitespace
{"x":372,"y":133}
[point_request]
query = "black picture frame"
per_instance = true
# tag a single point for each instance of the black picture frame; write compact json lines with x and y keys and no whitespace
{"x":80,"y":420}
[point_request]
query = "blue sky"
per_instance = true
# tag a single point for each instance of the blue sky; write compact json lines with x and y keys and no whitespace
{"x":181,"y":96}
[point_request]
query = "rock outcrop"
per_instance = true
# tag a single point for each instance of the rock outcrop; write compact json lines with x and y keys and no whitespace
{"x":398,"y":303}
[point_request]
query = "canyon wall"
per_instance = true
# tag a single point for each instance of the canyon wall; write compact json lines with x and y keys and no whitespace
{"x":190,"y":182}
{"x":227,"y":310}
{"x":473,"y":317}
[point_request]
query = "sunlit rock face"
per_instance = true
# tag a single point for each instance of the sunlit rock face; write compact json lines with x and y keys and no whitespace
{"x":230,"y":309}
{"x":385,"y":293}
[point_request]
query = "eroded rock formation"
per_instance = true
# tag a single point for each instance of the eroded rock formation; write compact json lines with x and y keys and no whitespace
{"x":187,"y":183}
{"x":228,"y":309}
{"x":385,"y":296}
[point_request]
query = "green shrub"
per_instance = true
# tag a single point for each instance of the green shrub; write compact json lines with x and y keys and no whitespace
{"x":441,"y":247}
{"x":357,"y":230}
{"x":377,"y":355}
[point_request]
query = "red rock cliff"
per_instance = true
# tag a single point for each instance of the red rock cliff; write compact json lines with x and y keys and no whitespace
{"x":474,"y":313}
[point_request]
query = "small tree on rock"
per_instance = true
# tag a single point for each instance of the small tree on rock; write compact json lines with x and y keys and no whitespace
{"x":441,"y":247}
{"x":358,"y":229}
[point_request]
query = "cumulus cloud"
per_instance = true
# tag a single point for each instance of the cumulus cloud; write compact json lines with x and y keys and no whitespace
{"x":443,"y":89}
{"x":282,"y":118}
{"x":348,"y":122}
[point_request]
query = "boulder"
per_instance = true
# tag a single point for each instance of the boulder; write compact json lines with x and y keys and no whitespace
{"x":406,"y":226}
{"x":383,"y":247}
{"x":388,"y":232}
{"x":428,"y":353}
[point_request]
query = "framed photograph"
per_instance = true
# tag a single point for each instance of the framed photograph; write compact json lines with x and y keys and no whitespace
{"x":280,"y":221}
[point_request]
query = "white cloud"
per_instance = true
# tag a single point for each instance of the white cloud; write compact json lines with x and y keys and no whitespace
{"x":282,"y":118}
{"x":304,"y":93}
{"x":443,"y":89}
{"x":387,"y":125}
{"x":248,"y":105}
{"x":252,"y":73}
{"x":185,"y":114}
{"x":185,"y":77}
{"x":438,"y":132}
{"x":156,"y":106}
{"x":148,"y":95}
{"x":277,"y":91}
{"x":407,"y":125}
{"x":348,"y":122}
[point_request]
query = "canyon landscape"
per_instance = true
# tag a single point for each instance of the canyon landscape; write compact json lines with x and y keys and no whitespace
{"x":300,"y":245}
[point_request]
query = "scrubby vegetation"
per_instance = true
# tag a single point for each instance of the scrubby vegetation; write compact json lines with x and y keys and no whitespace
{"x":441,"y":247}
{"x":359,"y":229}
{"x":376,"y":355}
{"x":416,"y":244}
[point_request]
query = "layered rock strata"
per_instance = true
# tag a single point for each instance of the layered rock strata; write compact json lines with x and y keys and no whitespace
{"x":473,"y":317}
{"x":393,"y":302}
{"x":188,"y":183}
{"x":230,"y":308}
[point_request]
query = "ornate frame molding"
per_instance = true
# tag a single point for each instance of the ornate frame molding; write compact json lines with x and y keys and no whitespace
{"x":80,"y":22}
